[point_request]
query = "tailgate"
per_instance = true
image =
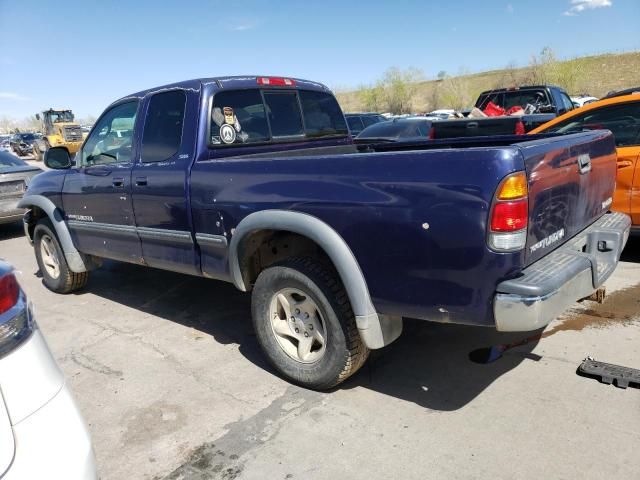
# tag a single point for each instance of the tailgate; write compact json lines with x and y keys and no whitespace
{"x":475,"y":127}
{"x":571,"y":184}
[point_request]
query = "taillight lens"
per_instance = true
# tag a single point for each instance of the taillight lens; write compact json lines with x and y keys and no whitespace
{"x":510,"y":214}
{"x":9,"y":292}
{"x":520,"y":128}
{"x":15,"y":319}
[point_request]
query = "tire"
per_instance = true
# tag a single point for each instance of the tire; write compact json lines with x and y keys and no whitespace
{"x":39,"y":154}
{"x":56,"y":274}
{"x":319,"y":293}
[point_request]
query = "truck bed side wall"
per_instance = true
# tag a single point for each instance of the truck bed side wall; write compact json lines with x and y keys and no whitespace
{"x":415,"y":221}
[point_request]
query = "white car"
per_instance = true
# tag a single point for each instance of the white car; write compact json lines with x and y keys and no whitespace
{"x":583,"y":100}
{"x":441,"y":114}
{"x":42,"y":434}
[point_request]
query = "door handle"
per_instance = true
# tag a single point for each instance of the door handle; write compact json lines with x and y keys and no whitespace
{"x":141,"y":181}
{"x":624,"y":164}
{"x":118,"y":182}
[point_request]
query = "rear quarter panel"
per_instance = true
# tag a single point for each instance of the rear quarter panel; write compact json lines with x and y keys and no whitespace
{"x":415,"y":221}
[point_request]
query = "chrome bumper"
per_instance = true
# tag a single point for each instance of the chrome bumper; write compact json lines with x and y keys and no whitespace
{"x":571,"y":272}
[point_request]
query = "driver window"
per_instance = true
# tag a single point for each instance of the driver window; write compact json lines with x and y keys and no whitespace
{"x":112,"y":139}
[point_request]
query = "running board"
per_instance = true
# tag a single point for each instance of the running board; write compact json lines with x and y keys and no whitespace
{"x":608,"y":373}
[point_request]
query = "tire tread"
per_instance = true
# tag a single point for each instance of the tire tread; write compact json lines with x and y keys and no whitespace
{"x":357,"y":352}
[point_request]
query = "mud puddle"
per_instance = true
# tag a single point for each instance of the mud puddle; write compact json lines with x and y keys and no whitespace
{"x":621,"y":307}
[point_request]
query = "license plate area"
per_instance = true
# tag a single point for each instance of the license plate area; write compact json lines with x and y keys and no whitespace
{"x":12,"y":189}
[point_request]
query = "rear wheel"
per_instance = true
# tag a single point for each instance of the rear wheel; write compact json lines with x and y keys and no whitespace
{"x":304,"y":323}
{"x":56,"y":274}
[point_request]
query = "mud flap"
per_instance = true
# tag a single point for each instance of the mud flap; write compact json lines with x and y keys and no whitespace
{"x":608,"y":373}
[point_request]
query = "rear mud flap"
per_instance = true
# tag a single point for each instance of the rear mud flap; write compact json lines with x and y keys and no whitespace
{"x":608,"y":373}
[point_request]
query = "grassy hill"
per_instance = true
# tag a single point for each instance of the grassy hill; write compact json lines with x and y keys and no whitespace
{"x":594,"y":75}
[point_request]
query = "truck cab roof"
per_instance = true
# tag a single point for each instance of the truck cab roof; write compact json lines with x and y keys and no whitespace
{"x":235,"y":82}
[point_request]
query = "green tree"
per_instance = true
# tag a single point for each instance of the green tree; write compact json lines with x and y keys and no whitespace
{"x":399,"y":87}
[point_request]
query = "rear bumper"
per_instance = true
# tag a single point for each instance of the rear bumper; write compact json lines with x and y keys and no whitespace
{"x":571,"y":272}
{"x":9,"y":211}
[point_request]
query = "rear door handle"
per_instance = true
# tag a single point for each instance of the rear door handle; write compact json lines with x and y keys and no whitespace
{"x":118,"y":182}
{"x":625,"y":164}
{"x":141,"y":181}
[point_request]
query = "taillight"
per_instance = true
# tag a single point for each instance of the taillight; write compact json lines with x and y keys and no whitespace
{"x":510,"y":214}
{"x":520,"y":128}
{"x":276,"y":82}
{"x":432,"y":133}
{"x":16,"y":324}
{"x":9,"y":292}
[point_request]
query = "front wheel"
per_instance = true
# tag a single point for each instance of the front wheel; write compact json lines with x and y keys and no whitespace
{"x":304,"y":323}
{"x":39,"y":153}
{"x":56,"y":274}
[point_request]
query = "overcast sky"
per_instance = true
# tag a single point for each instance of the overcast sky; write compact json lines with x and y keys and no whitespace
{"x":83,"y":54}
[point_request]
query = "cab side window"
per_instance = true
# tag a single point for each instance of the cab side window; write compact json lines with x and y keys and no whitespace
{"x":111,"y":140}
{"x":622,"y":120}
{"x":163,"y":126}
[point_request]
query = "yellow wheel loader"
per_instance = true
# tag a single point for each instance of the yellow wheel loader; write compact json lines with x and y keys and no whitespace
{"x":59,"y":129}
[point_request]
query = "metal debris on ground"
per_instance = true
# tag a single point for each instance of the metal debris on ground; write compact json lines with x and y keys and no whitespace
{"x":620,"y":376}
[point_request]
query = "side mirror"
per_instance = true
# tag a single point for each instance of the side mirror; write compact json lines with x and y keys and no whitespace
{"x":37,"y":116}
{"x":57,"y":158}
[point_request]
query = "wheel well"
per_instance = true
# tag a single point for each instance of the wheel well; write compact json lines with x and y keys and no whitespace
{"x":32,"y":217}
{"x":262,"y":248}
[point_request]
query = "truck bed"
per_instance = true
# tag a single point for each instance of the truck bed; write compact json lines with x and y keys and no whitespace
{"x":415,"y":214}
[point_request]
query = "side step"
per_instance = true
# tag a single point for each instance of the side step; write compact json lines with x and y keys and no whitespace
{"x":609,"y":373}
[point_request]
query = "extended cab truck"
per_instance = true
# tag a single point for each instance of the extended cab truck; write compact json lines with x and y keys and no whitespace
{"x":548,"y":102}
{"x":255,"y":181}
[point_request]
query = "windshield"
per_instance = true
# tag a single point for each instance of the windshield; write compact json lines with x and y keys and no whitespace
{"x":62,"y":116}
{"x":8,"y":161}
{"x":27,"y":136}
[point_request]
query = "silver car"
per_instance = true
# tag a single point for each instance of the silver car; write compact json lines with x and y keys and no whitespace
{"x":15,"y":176}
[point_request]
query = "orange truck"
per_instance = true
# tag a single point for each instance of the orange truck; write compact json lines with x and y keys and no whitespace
{"x":620,"y":113}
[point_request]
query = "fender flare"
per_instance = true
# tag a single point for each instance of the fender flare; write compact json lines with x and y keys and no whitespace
{"x":74,"y":258}
{"x":375,"y":330}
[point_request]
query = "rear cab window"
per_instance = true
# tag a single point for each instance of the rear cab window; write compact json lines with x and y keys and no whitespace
{"x":514,"y":98}
{"x":255,"y":116}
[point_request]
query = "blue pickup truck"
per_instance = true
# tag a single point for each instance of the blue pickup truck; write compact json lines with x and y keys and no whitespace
{"x":256,"y":181}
